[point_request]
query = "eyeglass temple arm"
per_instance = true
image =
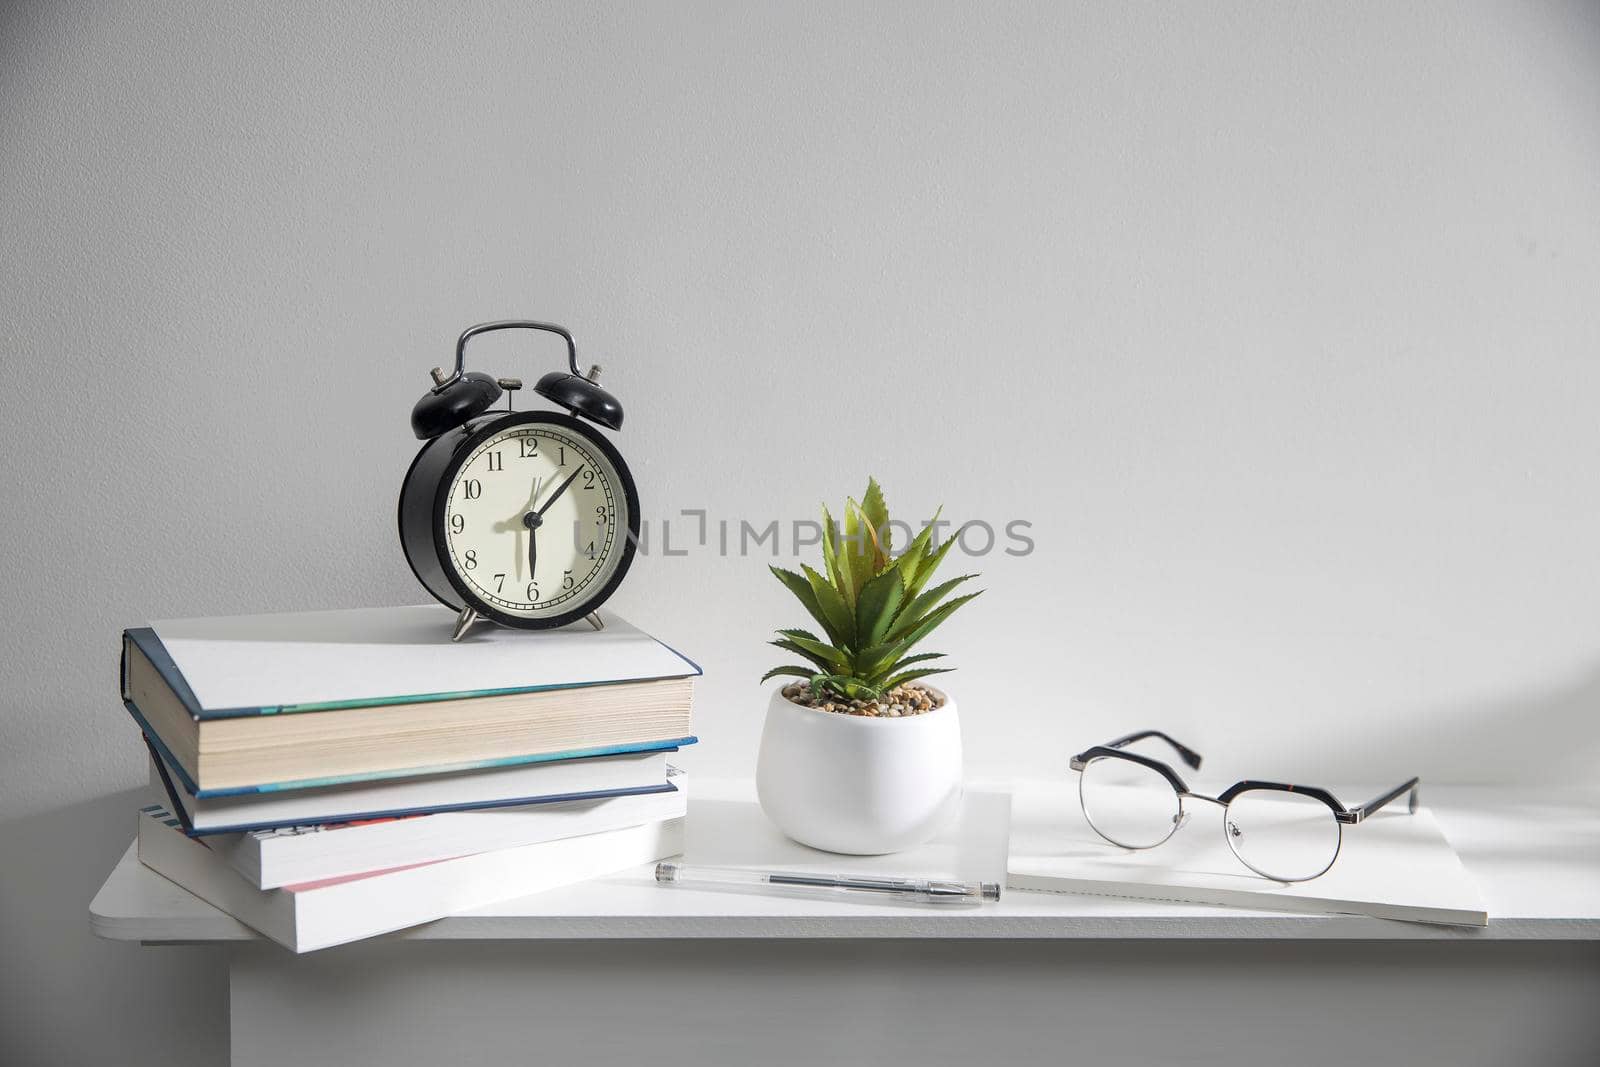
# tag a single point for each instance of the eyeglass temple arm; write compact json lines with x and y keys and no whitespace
{"x":1413,"y":787}
{"x":1190,"y":756}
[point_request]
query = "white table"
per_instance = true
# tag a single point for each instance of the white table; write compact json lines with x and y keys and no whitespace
{"x":620,"y":969}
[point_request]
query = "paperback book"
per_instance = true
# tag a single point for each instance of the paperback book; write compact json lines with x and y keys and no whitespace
{"x":270,"y":859}
{"x":318,"y":914}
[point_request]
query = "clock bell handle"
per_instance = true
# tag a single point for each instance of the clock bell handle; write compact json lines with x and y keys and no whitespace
{"x":506,"y":324}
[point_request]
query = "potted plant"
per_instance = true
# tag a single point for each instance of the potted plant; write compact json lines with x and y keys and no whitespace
{"x":861,"y":756}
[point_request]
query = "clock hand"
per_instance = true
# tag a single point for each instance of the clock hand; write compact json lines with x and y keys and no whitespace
{"x":532,"y":522}
{"x":532,"y":496}
{"x":562,"y":488}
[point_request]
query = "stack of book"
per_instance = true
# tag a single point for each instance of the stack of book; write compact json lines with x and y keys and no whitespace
{"x":328,"y":776}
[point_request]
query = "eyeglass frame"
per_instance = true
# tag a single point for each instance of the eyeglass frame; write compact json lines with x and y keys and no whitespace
{"x":1342,"y":816}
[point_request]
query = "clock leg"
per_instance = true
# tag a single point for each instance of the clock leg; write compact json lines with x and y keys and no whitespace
{"x":464,"y":623}
{"x":593,"y":619}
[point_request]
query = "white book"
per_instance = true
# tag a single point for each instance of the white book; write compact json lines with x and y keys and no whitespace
{"x":318,"y":915}
{"x":269,"y":859}
{"x":516,"y":784}
{"x":1392,"y":865}
{"x":361,"y":655}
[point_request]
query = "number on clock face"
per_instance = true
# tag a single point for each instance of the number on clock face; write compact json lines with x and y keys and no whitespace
{"x":535,"y":520}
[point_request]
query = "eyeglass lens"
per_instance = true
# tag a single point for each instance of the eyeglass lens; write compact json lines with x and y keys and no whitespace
{"x":1288,"y":837}
{"x":1128,"y":803}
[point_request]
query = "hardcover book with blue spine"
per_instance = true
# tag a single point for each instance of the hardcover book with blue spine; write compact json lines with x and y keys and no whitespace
{"x":261,"y":704}
{"x":512,"y":786}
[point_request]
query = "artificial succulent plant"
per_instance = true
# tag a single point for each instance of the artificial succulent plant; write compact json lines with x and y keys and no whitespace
{"x":874,"y":607}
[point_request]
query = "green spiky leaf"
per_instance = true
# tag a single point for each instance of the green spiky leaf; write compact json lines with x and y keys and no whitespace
{"x":914,"y":612}
{"x":900,"y":665}
{"x":929,"y":563}
{"x":909,"y":676}
{"x":911,"y":558}
{"x":823,"y":660}
{"x":855,"y":552}
{"x":871,"y":662}
{"x":937,"y":616}
{"x":877,"y":513}
{"x":837,"y":619}
{"x":830,"y":558}
{"x":820,"y":652}
{"x":788,"y":672}
{"x":801,"y":588}
{"x":818,"y":663}
{"x":845,"y":686}
{"x":876,"y":606}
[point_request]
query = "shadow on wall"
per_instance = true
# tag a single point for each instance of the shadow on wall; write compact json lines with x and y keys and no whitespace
{"x":68,"y":997}
{"x":1550,"y":738}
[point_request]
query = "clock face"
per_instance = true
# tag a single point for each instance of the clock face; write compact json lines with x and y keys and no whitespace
{"x":536,"y":521}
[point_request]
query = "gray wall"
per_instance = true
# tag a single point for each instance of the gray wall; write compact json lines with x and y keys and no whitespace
{"x":1277,"y":321}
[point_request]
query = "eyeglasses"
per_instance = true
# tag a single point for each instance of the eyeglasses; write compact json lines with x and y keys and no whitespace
{"x":1288,"y":833}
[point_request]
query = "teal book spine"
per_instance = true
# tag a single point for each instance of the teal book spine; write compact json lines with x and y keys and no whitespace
{"x":145,"y":639}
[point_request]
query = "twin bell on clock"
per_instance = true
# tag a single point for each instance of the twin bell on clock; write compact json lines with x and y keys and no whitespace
{"x":524,"y":518}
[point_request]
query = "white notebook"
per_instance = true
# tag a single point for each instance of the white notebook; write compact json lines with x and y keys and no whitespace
{"x":1392,"y":865}
{"x":332,"y":912}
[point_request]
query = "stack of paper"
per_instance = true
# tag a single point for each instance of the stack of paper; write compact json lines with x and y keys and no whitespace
{"x":1393,"y":865}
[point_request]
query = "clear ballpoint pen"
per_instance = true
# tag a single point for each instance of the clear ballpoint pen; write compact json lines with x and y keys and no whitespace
{"x":918,"y":890}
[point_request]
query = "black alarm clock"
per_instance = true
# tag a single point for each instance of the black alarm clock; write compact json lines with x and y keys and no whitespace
{"x":526,"y":518}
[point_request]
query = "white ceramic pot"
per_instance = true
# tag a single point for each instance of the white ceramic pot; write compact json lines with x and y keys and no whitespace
{"x":865,"y":786}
